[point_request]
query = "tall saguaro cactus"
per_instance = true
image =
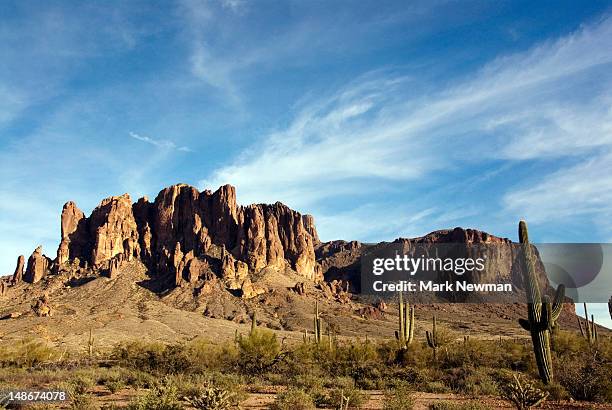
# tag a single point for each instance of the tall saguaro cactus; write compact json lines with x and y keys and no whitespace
{"x":317,"y":324}
{"x":405,"y":334}
{"x":542,"y":316}
{"x":253,"y":322}
{"x":432,"y":339}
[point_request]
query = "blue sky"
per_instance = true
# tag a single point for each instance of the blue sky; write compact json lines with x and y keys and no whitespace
{"x":382,"y":119}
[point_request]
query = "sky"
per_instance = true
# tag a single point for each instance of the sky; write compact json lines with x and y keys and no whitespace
{"x":380,"y":118}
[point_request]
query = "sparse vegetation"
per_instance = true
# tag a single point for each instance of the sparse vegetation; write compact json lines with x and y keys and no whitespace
{"x":159,"y":376}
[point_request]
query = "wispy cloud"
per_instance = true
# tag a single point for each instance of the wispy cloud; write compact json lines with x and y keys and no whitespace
{"x":376,"y":131}
{"x":12,"y":102}
{"x":206,"y":63}
{"x":584,"y":189}
{"x":163,"y":144}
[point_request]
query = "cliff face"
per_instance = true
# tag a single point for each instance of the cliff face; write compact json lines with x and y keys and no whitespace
{"x":341,"y":260}
{"x":181,"y":225}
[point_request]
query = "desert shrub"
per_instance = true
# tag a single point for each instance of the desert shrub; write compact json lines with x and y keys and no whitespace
{"x":555,"y":391}
{"x":567,"y":343}
{"x":436,"y":387}
{"x":300,"y":360}
{"x":114,"y":385}
{"x":522,"y":392}
{"x":293,"y":399}
{"x":139,"y":379}
{"x":355,"y":397}
{"x":517,"y":357}
{"x":27,"y":353}
{"x":359,"y":361}
{"x":81,"y":401}
{"x":416,"y":355}
{"x":152,"y":357}
{"x":314,"y":385}
{"x":398,"y":398}
{"x":211,"y":398}
{"x":258,"y":352}
{"x":586,"y":376}
{"x":206,"y":356}
{"x":471,"y":381}
{"x":163,"y":396}
{"x":449,"y":405}
{"x":232,"y":383}
{"x":339,"y":383}
{"x":80,"y":384}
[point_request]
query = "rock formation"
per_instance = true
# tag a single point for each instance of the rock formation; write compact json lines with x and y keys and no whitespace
{"x":112,"y":230}
{"x":38,"y":266}
{"x":174,"y":234}
{"x":18,"y":275}
{"x":42,"y":307}
{"x":185,"y":236}
{"x":73,"y":243}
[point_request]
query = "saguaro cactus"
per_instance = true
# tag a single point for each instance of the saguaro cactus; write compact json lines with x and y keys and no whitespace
{"x":432,"y":339}
{"x":253,"y":322}
{"x":542,"y":316}
{"x":317,"y":324}
{"x":589,"y":332}
{"x":405,"y":333}
{"x":90,"y":344}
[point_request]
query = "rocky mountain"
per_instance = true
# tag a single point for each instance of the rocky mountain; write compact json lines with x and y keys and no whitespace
{"x":185,"y":235}
{"x":191,"y":254}
{"x":178,"y":233}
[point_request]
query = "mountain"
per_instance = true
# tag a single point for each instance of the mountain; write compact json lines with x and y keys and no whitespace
{"x":190,"y":255}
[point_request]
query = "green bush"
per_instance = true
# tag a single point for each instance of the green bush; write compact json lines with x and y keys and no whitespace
{"x":555,"y":391}
{"x":471,"y":381}
{"x":27,"y":353}
{"x":153,"y":358}
{"x":356,"y":398}
{"x":163,"y":396}
{"x":211,"y":398}
{"x":114,"y":385}
{"x":293,"y":399}
{"x":522,"y":392}
{"x":398,"y":398}
{"x":586,"y":376}
{"x":258,"y":352}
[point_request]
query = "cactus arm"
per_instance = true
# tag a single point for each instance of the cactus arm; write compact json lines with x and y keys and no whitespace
{"x":411,"y":330}
{"x":558,"y":302}
{"x":546,"y":322}
{"x":529,"y":276}
{"x":580,"y":326}
{"x":430,"y":341}
{"x":401,"y":319}
{"x":589,"y":329}
{"x":525,"y":324}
